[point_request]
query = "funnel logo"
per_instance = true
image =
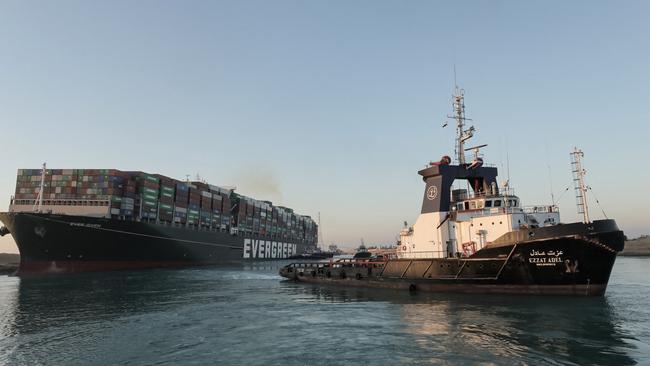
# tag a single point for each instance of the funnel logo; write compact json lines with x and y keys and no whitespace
{"x":432,"y":193}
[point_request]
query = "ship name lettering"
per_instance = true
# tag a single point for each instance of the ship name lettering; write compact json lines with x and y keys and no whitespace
{"x":81,"y":224}
{"x":268,"y":249}
{"x":545,"y":261}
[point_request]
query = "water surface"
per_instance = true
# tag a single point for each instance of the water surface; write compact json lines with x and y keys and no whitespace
{"x":248,"y":315}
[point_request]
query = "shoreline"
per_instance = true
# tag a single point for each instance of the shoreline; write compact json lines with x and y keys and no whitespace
{"x":9,"y":263}
{"x":637,"y":248}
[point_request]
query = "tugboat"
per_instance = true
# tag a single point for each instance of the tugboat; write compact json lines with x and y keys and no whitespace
{"x":313,"y":255}
{"x":482,"y":240}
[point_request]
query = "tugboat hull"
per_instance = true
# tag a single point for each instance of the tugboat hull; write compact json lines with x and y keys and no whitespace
{"x":574,"y":259}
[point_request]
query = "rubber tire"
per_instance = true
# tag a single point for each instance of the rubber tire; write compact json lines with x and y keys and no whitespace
{"x":412,"y":288}
{"x":358,"y":276}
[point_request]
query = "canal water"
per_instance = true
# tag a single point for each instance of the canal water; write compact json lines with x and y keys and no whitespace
{"x":248,"y":315}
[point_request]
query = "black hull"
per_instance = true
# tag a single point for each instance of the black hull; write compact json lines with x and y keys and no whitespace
{"x":574,"y":259}
{"x":62,"y":243}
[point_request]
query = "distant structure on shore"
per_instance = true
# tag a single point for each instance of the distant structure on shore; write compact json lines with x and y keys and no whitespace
{"x":639,"y":247}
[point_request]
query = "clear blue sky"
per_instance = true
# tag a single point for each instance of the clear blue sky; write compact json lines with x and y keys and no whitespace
{"x":331,"y":106}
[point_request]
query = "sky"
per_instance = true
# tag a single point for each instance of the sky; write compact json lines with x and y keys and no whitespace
{"x":332,"y":106}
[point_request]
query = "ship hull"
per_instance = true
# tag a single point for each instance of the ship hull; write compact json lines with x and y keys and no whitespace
{"x":574,"y":259}
{"x":65,"y":243}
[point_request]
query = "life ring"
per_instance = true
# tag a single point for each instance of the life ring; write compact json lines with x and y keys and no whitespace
{"x":469,"y":248}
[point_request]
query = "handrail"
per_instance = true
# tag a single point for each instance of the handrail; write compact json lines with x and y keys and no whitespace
{"x":334,"y":264}
{"x":470,"y":195}
{"x":541,"y":209}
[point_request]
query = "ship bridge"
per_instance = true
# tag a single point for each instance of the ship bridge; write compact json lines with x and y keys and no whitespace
{"x":439,"y":179}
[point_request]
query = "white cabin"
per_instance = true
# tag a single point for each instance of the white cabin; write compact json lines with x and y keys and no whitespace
{"x":470,"y":224}
{"x":460,"y":222}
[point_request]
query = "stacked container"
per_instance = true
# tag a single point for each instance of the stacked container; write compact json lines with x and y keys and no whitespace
{"x":139,"y":195}
{"x":181,"y":200}
{"x":193,"y":205}
{"x":28,"y":183}
{"x":149,"y":190}
{"x":166,"y":198}
{"x":226,"y":216}
{"x":217,"y":204}
{"x":72,"y":184}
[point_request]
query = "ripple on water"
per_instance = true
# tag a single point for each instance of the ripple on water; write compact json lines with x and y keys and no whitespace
{"x":249,"y":315}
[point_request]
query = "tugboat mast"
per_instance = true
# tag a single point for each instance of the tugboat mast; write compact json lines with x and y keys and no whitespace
{"x":462,"y":134}
{"x":579,"y":183}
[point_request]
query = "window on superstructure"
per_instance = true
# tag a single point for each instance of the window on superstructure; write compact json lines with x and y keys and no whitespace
{"x":467,"y":205}
{"x":497,"y":203}
{"x":488,"y":203}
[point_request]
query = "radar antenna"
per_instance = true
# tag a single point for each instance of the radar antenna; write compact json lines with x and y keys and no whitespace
{"x":579,"y":183}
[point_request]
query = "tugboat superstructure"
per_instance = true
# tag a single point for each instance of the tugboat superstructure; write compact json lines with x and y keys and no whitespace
{"x":477,"y":237}
{"x":459,"y":222}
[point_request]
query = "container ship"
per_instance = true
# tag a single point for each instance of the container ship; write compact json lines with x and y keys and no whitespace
{"x":473,"y":235}
{"x":75,"y":220}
